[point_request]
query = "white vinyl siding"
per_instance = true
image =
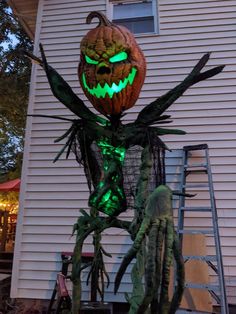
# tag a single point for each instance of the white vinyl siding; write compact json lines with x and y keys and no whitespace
{"x":52,"y":194}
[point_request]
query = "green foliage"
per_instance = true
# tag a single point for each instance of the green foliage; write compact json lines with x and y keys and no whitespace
{"x":9,"y":201}
{"x":14,"y":89}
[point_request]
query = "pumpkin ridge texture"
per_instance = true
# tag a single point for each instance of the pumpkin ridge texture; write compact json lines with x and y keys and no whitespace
{"x":105,"y":44}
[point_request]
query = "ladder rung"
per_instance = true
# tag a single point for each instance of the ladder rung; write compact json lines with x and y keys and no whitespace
{"x":200,"y":258}
{"x":195,"y":147}
{"x":196,"y":209}
{"x":191,"y":231}
{"x":202,"y":286}
{"x":196,"y":165}
{"x":193,"y":185}
{"x":196,"y":171}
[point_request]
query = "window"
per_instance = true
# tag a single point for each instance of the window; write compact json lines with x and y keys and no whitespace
{"x":138,"y":16}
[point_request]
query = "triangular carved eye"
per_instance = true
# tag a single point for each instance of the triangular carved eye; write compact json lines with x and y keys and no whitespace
{"x":90,"y":61}
{"x":121,"y":56}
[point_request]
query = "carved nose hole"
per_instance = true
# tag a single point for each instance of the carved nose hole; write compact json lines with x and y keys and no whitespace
{"x":104,"y":70}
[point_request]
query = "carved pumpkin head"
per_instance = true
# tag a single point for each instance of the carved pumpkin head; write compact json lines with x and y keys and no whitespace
{"x":112,"y":67}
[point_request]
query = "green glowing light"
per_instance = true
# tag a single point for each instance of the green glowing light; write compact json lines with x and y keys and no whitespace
{"x":115,"y":198}
{"x":114,"y":152}
{"x":121,"y":56}
{"x":105,"y":166}
{"x":101,"y":184}
{"x":90,"y":61}
{"x":121,"y":152}
{"x":109,"y":196}
{"x":120,"y":191}
{"x":115,"y":178}
{"x":101,"y":91}
{"x":106,"y":197}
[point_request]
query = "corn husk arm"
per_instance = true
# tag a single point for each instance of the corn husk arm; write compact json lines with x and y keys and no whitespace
{"x":63,"y":92}
{"x":152,"y":112}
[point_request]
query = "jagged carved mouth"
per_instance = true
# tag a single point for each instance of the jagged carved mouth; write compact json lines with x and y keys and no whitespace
{"x":101,"y":91}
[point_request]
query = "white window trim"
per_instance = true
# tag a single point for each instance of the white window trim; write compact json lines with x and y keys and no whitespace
{"x":109,"y":14}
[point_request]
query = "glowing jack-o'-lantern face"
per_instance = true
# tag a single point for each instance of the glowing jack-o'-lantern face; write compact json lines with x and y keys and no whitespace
{"x":112,"y":67}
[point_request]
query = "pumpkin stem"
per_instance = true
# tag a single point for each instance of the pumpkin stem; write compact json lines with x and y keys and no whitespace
{"x":103,"y":20}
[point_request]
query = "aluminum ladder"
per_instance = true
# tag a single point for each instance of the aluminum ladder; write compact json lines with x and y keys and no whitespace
{"x":218,"y":292}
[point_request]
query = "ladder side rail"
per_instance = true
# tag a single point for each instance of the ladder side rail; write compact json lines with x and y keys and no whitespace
{"x":182,"y":198}
{"x":224,"y":304}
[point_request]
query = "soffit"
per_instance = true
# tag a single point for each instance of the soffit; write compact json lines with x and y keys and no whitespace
{"x":26,"y":11}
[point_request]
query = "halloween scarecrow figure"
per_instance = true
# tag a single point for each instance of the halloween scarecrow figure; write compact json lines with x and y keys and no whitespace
{"x":111,"y":72}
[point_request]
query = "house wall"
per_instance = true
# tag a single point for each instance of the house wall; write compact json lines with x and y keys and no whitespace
{"x":53,"y":193}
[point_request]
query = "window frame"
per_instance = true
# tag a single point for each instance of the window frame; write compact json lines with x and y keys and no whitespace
{"x":155,"y":11}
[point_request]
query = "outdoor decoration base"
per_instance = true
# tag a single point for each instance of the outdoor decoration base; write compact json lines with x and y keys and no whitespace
{"x":96,"y":307}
